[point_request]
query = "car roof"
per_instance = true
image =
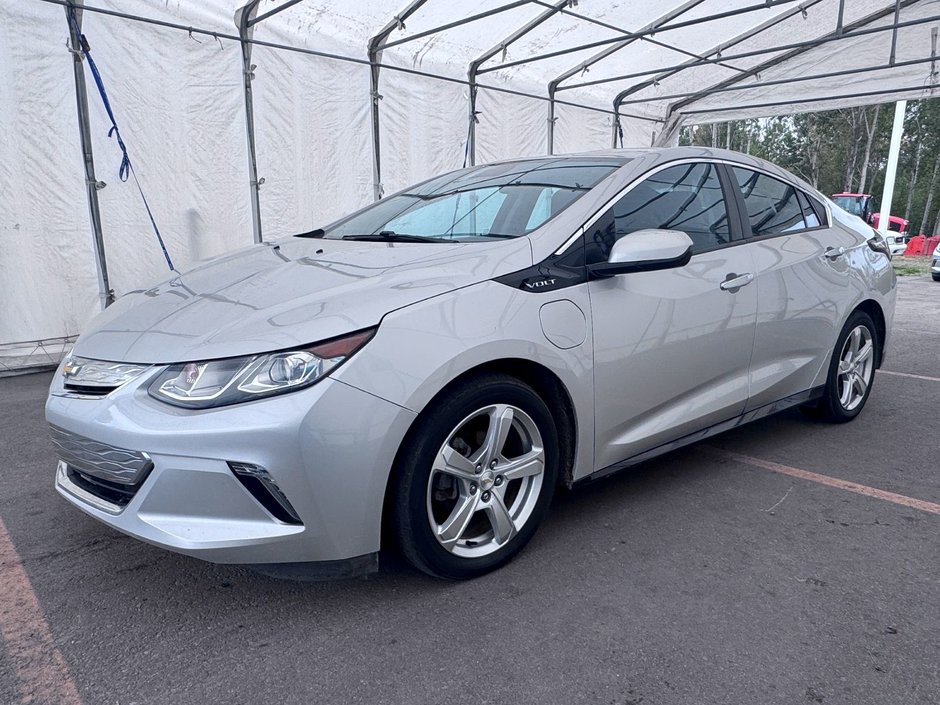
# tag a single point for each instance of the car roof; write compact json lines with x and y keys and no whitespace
{"x":661,"y":155}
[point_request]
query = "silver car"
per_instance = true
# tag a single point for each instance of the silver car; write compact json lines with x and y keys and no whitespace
{"x":424,"y":372}
{"x":935,"y":264}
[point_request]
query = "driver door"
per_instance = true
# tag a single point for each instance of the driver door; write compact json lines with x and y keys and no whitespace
{"x":672,"y":347}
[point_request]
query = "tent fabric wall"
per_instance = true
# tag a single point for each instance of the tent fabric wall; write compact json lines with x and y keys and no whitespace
{"x":178,"y":99}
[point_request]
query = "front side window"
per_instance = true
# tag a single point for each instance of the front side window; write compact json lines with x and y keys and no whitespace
{"x":773,"y":206}
{"x":480,"y":203}
{"x":686,"y":197}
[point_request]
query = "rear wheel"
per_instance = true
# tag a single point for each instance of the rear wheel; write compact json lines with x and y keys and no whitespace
{"x":851,"y":370}
{"x":936,"y":277}
{"x":476,"y":478}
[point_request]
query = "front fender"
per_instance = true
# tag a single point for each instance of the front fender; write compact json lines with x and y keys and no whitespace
{"x":419,"y":350}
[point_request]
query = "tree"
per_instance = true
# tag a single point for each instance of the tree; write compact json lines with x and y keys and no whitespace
{"x":846,"y":150}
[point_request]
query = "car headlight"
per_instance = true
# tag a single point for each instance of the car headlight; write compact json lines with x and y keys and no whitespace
{"x":203,"y":385}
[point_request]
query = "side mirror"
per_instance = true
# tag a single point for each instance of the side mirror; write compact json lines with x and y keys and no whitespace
{"x":645,"y":251}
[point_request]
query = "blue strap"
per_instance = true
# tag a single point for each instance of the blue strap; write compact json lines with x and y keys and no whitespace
{"x":126,"y":169}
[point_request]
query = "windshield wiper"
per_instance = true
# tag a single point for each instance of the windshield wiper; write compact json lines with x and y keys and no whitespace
{"x":389,"y":236}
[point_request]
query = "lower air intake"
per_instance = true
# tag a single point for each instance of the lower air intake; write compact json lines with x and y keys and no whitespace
{"x":263,"y":488}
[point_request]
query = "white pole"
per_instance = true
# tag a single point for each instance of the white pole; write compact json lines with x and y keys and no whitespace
{"x":893,"y":152}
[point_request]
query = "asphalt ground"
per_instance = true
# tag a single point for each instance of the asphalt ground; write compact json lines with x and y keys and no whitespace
{"x":706,"y":576}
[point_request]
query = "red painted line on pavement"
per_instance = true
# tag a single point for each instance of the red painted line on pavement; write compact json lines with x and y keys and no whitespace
{"x":40,"y":668}
{"x":855,"y":487}
{"x":908,"y":374}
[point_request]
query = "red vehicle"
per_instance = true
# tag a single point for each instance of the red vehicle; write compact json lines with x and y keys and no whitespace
{"x":895,"y":224}
{"x":860,"y":204}
{"x":855,"y":203}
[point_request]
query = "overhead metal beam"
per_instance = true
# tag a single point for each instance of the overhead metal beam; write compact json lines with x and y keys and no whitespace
{"x":704,"y":58}
{"x":782,"y":81}
{"x":810,"y":43}
{"x":244,"y":17}
{"x":908,"y":91}
{"x":554,"y":84}
{"x":854,"y":29}
{"x":105,"y":293}
{"x":767,"y":4}
{"x":646,"y":38}
{"x":280,"y":8}
{"x":189,"y":29}
{"x":717,"y":49}
{"x":457,"y":23}
{"x":475,"y":65}
{"x":376,"y":44}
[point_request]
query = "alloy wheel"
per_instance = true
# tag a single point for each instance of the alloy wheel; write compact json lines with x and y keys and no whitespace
{"x":485,"y":481}
{"x":856,"y":366}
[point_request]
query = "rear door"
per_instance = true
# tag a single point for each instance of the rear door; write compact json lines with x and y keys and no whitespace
{"x":671,"y":347}
{"x":802,"y":273}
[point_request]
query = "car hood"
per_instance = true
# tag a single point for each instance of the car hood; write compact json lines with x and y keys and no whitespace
{"x":289,"y":293}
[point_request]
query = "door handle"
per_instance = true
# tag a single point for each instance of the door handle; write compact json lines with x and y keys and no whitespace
{"x":733,"y":281}
{"x":834,"y":253}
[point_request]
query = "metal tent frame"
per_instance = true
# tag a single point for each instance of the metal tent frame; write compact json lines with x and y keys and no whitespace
{"x":681,"y":105}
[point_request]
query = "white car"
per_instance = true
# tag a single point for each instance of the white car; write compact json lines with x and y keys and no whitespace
{"x":935,"y":264}
{"x":427,"y":370}
{"x":897,"y":244}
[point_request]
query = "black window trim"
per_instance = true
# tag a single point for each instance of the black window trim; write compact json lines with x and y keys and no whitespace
{"x":749,"y":236}
{"x":736,"y":203}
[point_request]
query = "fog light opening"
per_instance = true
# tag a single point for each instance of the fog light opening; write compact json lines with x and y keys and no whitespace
{"x":262,"y":487}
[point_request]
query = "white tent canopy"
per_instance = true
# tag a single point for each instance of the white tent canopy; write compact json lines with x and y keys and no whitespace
{"x":174,"y":73}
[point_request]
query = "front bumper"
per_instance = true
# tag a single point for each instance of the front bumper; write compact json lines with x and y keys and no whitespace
{"x":329,"y":448}
{"x":935,"y":265}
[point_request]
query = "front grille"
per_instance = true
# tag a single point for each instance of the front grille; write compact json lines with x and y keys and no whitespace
{"x":89,"y":389}
{"x":100,"y":461}
{"x":98,"y":377}
{"x":111,"y":492}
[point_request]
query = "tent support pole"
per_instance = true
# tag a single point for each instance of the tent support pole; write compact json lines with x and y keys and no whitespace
{"x":475,"y":65}
{"x":472,"y":124}
{"x":376,"y":44}
{"x":550,"y":137}
{"x":894,"y":151}
{"x":105,"y":293}
{"x":374,"y":99}
{"x":894,"y":32}
{"x":615,"y":125}
{"x":244,"y":21}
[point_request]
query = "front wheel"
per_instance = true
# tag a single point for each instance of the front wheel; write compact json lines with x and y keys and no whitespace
{"x":851,"y":370}
{"x":476,"y":478}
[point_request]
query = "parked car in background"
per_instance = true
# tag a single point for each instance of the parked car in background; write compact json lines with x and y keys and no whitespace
{"x":425,"y":371}
{"x":935,"y":265}
{"x":860,"y":204}
{"x":898,"y":232}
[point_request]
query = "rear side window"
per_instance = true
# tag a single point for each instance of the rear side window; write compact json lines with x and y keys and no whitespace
{"x":809,"y":215}
{"x":686,"y":197}
{"x":773,"y":206}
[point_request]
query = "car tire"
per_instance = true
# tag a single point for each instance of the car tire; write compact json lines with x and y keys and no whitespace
{"x":851,"y":370}
{"x":935,"y":277}
{"x":475,"y":478}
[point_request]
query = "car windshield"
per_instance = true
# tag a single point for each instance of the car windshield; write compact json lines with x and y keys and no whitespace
{"x":480,"y":203}
{"x":851,"y":204}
